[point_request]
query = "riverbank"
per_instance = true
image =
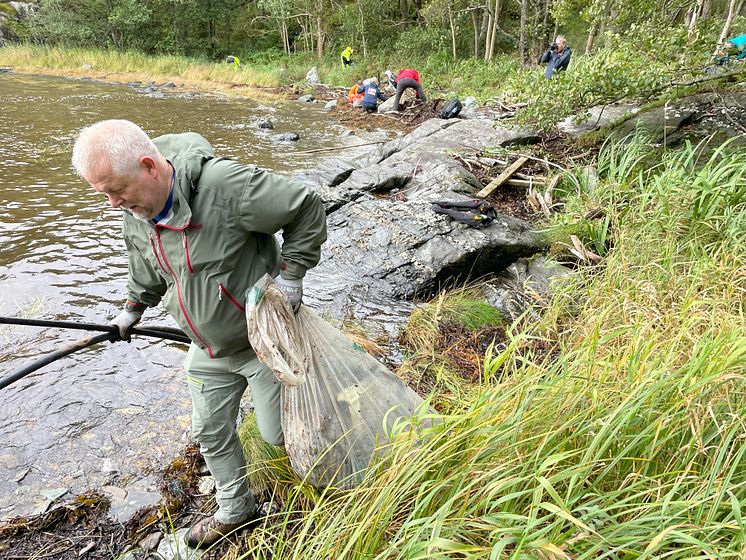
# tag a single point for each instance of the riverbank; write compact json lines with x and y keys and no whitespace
{"x":610,"y":421}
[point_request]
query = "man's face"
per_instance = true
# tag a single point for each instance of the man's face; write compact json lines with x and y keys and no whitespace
{"x":561,"y":44}
{"x":142,"y":193}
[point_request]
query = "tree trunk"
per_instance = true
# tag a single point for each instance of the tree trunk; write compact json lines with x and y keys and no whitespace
{"x":362,"y":29}
{"x":404,"y":6}
{"x":706,"y":9}
{"x":591,"y":38}
{"x":523,"y":37}
{"x":453,"y":32}
{"x":693,"y":18}
{"x":475,"y":25}
{"x":545,"y":38}
{"x":495,"y":27}
{"x":728,"y":20}
{"x":490,"y":15}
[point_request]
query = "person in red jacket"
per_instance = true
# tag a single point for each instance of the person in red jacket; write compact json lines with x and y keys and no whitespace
{"x":408,"y":78}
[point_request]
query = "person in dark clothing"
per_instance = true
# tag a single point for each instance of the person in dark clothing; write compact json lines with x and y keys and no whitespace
{"x":408,"y":78}
{"x":372,"y":94}
{"x":556,"y":57}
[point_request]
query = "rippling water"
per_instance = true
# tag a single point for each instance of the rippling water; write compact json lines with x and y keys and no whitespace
{"x":107,"y":414}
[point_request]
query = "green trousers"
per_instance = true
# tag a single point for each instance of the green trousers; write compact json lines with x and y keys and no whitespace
{"x":216,"y":386}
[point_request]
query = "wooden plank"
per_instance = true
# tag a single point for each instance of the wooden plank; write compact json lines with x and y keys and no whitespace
{"x":504,"y":176}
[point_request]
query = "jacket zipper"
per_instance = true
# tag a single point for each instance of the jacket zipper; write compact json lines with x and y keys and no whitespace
{"x":186,"y":251}
{"x":222,"y":290}
{"x":155,"y":252}
{"x":179,"y":296}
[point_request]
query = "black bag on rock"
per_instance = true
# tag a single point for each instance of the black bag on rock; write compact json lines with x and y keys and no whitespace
{"x":452,"y":109}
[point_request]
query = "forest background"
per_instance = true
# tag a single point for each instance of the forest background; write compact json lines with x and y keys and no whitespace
{"x":486,"y":48}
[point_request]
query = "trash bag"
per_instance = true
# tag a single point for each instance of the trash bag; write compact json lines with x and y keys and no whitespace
{"x":452,"y":109}
{"x":475,"y":213}
{"x":339,"y":405}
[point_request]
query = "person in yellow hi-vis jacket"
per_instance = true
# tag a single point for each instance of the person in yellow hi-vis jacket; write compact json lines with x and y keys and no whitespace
{"x":347,"y":57}
{"x":233,"y":60}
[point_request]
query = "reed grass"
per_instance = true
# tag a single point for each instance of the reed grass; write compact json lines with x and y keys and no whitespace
{"x":626,"y":441}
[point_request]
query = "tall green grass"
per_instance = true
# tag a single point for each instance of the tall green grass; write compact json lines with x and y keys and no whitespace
{"x":627,"y":440}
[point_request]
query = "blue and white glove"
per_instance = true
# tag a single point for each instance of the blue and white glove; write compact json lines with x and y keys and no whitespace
{"x":293,"y":289}
{"x":128,"y":318}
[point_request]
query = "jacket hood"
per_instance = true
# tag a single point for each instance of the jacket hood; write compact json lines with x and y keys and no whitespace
{"x":187,"y":152}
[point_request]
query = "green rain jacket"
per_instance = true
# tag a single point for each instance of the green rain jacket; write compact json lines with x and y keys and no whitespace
{"x":218,"y":240}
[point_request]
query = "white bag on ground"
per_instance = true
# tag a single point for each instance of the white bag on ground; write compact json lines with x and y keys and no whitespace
{"x":338,"y":402}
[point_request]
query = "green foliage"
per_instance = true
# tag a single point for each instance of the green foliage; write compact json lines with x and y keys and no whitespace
{"x":623,"y":441}
{"x":608,"y":75}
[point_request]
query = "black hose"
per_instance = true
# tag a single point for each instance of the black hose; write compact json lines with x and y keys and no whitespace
{"x":52,"y":356}
{"x":167,"y":333}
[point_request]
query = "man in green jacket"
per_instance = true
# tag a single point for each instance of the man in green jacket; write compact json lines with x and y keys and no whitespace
{"x":199,"y":232}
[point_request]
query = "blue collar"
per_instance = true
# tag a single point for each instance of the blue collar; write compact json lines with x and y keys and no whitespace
{"x":163,"y":213}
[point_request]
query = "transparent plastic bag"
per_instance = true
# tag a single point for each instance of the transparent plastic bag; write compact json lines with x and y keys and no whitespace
{"x":338,"y":403}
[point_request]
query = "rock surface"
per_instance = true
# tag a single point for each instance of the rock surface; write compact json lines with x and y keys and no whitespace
{"x":383,"y":250}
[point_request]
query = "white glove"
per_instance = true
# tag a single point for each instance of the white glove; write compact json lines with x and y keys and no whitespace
{"x":293,"y":289}
{"x":127,"y":318}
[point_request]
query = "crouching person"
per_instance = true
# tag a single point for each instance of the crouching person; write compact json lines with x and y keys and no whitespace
{"x":371,"y":94}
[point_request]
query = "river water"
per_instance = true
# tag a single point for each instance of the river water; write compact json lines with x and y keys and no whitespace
{"x":113,"y":413}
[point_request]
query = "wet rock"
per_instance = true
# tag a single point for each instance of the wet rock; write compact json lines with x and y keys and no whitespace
{"x":54,"y":493}
{"x":306,"y":98}
{"x":168,"y":85}
{"x":420,"y":163}
{"x":383,"y":251}
{"x":470,"y":102}
{"x":151,"y":541}
{"x":24,"y":10}
{"x":287,"y":137}
{"x":114,"y":493}
{"x":6,"y":70}
{"x":266,"y":124}
{"x":329,"y":173}
{"x":399,"y":250}
{"x":661,"y":123}
{"x":206,"y":485}
{"x":543,"y":275}
{"x":597,"y":117}
{"x":387,"y":106}
{"x":330,"y":105}
{"x":312,"y":76}
{"x":124,"y":502}
{"x":173,"y":547}
{"x":523,"y":284}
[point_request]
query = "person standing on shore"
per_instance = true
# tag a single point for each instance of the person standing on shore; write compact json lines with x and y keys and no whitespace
{"x":556,"y":57}
{"x":346,"y":57}
{"x":200,"y":231}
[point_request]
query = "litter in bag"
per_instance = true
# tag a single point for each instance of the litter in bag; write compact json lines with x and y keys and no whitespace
{"x":338,"y":404}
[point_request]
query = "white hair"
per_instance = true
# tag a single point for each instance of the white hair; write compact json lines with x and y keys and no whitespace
{"x":118,"y":142}
{"x":559,"y":38}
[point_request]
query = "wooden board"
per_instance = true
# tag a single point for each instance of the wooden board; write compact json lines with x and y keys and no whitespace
{"x":500,"y":179}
